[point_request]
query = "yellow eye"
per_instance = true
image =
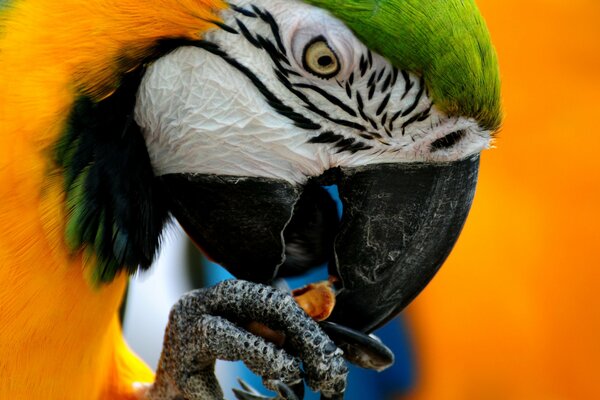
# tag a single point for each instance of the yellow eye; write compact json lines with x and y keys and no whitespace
{"x":319,"y":59}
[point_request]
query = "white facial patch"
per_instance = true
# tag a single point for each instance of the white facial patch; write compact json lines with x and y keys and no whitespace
{"x":291,"y":94}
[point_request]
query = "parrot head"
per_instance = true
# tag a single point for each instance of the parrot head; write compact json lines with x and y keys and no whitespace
{"x":236,"y":133}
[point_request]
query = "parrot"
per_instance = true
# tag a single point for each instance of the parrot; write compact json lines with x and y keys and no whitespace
{"x":229,"y":117}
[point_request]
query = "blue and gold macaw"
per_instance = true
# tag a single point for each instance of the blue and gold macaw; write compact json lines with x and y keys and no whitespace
{"x":230,"y":117}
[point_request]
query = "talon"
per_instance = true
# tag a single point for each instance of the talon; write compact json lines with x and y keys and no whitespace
{"x":285,"y":391}
{"x":298,"y":389}
{"x":366,"y":351}
{"x":243,"y":395}
{"x":333,"y":397}
{"x":247,"y":387}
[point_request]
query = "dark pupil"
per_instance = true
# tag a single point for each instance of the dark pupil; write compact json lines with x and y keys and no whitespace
{"x":324,"y":61}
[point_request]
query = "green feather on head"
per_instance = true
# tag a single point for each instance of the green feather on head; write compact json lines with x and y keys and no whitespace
{"x":445,"y":41}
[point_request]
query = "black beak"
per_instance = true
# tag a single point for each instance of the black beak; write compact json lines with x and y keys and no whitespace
{"x":237,"y":221}
{"x":400,"y":222}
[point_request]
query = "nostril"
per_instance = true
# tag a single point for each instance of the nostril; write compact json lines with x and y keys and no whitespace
{"x":447,"y":141}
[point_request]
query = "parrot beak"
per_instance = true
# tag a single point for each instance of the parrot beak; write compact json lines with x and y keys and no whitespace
{"x":238,"y":222}
{"x":399,"y":223}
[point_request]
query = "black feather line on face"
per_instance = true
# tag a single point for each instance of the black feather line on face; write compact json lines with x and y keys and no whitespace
{"x":278,"y":55}
{"x":448,"y":141}
{"x":115,"y":205}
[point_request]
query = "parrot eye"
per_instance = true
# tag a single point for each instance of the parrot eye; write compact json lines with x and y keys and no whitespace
{"x":319,"y":59}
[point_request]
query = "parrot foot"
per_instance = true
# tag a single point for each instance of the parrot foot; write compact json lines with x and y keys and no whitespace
{"x":205,"y":325}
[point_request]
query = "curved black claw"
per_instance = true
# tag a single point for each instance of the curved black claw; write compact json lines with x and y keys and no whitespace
{"x":247,"y":387}
{"x":284,"y":391}
{"x":334,"y":397}
{"x":366,"y":351}
{"x":244,"y":395}
{"x":298,"y":389}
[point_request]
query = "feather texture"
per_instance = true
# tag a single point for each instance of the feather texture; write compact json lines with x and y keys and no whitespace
{"x":445,"y":40}
{"x":115,"y":206}
{"x":59,"y":335}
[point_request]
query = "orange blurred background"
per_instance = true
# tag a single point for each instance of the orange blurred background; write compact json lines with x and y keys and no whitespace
{"x":515,"y":311}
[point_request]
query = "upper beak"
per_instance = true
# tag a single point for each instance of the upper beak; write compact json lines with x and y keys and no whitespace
{"x":399,"y":223}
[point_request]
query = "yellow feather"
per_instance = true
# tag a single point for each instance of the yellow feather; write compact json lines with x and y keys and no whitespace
{"x":59,"y":337}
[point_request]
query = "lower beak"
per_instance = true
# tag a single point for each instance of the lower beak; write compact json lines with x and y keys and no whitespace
{"x":238,"y":222}
{"x":400,"y":222}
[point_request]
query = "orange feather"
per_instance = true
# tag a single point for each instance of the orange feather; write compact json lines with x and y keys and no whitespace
{"x":59,"y":336}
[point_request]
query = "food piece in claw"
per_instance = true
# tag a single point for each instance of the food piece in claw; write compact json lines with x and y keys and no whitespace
{"x":316,"y":299}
